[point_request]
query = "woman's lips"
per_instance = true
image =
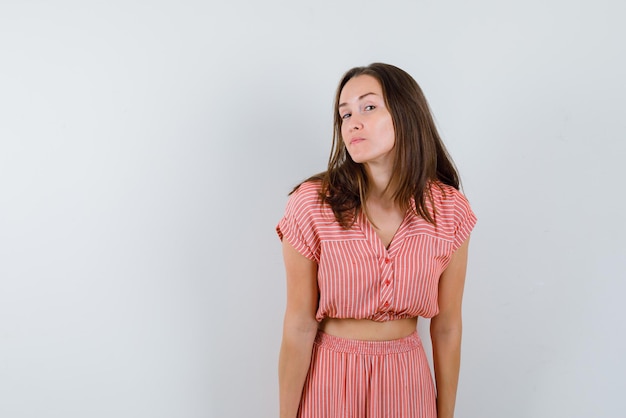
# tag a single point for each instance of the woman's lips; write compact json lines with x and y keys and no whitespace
{"x":356,"y":140}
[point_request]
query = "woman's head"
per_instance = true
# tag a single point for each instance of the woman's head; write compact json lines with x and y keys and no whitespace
{"x":419,"y":156}
{"x":366,"y":124}
{"x":417,"y":142}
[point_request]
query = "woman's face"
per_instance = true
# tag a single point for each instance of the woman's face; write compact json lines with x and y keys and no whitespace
{"x":367,"y":127}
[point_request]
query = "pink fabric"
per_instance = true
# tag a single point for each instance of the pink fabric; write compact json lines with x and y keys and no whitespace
{"x":357,"y":276}
{"x":368,"y":379}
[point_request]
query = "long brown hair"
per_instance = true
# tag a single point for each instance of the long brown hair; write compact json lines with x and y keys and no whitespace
{"x":421,"y":160}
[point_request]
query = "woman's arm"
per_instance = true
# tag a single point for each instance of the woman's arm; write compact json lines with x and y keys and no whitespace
{"x":445,"y":332}
{"x":299,"y":328}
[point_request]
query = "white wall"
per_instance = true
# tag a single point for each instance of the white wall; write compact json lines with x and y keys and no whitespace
{"x":146,"y":149}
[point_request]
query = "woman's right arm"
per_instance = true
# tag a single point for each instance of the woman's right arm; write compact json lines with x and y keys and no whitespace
{"x":299,"y":328}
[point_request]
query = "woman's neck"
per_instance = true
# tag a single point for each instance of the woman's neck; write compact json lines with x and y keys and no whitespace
{"x":378,"y":178}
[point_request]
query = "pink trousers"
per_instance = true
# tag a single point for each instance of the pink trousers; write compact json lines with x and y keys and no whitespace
{"x":368,"y":379}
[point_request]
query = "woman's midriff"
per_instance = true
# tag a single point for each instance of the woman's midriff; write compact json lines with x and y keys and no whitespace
{"x":365,"y":329}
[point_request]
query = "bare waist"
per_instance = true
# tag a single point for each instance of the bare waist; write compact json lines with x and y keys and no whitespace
{"x":365,"y":329}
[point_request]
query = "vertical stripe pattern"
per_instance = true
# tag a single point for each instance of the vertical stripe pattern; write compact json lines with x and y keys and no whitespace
{"x":357,"y":276}
{"x":368,"y":379}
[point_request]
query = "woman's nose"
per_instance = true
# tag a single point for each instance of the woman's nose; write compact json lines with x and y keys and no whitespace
{"x":355,"y":123}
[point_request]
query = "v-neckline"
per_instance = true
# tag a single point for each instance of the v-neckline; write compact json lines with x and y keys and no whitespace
{"x":373,"y":236}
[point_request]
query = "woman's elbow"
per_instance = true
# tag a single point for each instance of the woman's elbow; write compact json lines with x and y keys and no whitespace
{"x":300,"y":324}
{"x":446,"y":327}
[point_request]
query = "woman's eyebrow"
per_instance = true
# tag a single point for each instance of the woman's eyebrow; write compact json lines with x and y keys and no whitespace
{"x":360,"y":98}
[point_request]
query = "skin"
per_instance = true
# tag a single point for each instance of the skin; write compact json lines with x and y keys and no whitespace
{"x":299,"y":328}
{"x":369,"y":137}
{"x":367,"y":127}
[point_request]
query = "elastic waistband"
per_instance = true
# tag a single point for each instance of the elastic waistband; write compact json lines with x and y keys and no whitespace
{"x":345,"y":345}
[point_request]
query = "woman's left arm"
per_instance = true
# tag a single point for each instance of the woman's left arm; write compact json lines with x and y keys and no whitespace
{"x":446,"y":330}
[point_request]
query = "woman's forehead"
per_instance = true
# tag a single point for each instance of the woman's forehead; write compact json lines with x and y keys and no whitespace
{"x":359,"y":87}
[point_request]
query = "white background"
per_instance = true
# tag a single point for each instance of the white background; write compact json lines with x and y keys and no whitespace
{"x":146,"y":150}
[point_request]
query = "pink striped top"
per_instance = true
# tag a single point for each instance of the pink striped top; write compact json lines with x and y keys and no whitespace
{"x":357,"y":276}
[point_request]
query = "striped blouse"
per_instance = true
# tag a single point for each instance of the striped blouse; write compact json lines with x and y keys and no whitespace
{"x":357,"y":276}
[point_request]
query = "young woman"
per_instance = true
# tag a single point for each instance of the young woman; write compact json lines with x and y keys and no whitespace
{"x":369,"y":245}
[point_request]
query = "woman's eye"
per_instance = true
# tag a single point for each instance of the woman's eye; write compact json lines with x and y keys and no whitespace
{"x":370,"y":107}
{"x":345,"y":116}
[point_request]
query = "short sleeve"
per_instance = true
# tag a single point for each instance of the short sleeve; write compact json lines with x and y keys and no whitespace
{"x":464,"y":220}
{"x":298,"y":226}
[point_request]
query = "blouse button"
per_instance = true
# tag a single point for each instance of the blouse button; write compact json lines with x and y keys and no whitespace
{"x":386,"y":304}
{"x":387,"y":260}
{"x":387,"y":282}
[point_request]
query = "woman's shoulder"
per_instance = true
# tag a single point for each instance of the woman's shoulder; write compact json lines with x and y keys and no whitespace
{"x":307,"y":193}
{"x":308,"y":187}
{"x":454,"y":212}
{"x":305,"y":198}
{"x":450,"y":203}
{"x":446,"y":195}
